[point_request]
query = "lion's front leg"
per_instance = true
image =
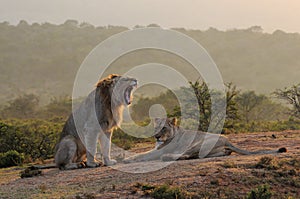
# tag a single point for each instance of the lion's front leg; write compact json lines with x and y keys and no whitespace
{"x":189,"y":153}
{"x":148,"y":156}
{"x":91,"y":146}
{"x":105,"y":144}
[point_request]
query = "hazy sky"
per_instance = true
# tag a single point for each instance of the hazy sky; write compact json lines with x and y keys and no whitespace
{"x":191,"y":14}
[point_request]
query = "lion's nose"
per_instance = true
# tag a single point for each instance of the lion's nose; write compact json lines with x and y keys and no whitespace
{"x":157,"y":137}
{"x":134,"y":82}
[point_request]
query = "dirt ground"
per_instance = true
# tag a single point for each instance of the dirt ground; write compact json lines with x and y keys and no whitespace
{"x":223,"y":177}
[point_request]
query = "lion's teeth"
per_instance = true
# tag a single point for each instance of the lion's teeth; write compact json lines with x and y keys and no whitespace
{"x":158,"y":143}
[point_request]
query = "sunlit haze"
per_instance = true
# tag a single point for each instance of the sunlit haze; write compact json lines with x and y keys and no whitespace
{"x":191,"y":14}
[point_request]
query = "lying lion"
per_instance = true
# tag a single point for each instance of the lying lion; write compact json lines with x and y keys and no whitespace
{"x":175,"y":143}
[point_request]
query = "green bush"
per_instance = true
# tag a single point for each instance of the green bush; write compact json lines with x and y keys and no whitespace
{"x":11,"y":158}
{"x":264,"y":126}
{"x":163,"y":191}
{"x":261,"y":192}
{"x":167,"y":192}
{"x":268,"y":163}
{"x":35,"y":139}
{"x":130,"y":135}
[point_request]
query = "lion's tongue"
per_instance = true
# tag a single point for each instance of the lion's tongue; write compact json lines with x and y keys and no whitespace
{"x":127,"y":97}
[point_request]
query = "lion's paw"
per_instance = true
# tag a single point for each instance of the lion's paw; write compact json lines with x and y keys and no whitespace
{"x":170,"y":157}
{"x":110,"y":162}
{"x":93,"y":164}
{"x":128,"y":160}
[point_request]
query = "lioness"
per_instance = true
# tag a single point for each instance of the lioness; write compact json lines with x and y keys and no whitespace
{"x":175,"y":143}
{"x":97,"y":116}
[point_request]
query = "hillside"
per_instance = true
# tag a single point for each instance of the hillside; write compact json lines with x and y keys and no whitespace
{"x":223,"y":177}
{"x":44,"y":58}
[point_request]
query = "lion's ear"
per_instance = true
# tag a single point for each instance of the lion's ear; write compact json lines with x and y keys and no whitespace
{"x":107,"y":81}
{"x":113,"y":76}
{"x":157,"y":120}
{"x":174,"y":121}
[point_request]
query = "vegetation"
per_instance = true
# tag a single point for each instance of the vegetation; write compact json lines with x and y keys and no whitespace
{"x":38,"y":63}
{"x":247,"y":102}
{"x":32,"y":138}
{"x":22,"y":107}
{"x":35,"y":139}
{"x":292,"y":96}
{"x":163,"y":191}
{"x":126,"y":141}
{"x":262,"y":192}
{"x":245,"y":111}
{"x":140,"y":109}
{"x":167,"y":192}
{"x":43,"y":58}
{"x":267,"y":163}
{"x":11,"y":158}
{"x":203,"y":96}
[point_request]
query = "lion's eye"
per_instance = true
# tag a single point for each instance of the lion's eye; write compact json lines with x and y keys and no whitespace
{"x":163,"y":129}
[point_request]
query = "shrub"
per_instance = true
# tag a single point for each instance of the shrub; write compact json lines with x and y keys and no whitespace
{"x":267,"y":163}
{"x":11,"y":158}
{"x":164,"y":191}
{"x":130,"y":135}
{"x":35,"y":139}
{"x":229,"y":164}
{"x":261,"y":192}
{"x":167,"y":192}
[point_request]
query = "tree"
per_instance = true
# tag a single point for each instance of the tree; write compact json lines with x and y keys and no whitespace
{"x":292,"y":96}
{"x":58,"y":107}
{"x":140,"y":110}
{"x":153,"y":25}
{"x":203,"y":99}
{"x":247,"y":101}
{"x":268,"y":110}
{"x":71,"y":23}
{"x":23,"y":23}
{"x":86,"y":25}
{"x":256,"y":29}
{"x":203,"y":96}
{"x":138,"y":26}
{"x":24,"y":106}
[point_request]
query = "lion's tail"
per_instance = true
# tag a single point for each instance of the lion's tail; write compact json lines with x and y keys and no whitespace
{"x":45,"y":166}
{"x":245,"y":152}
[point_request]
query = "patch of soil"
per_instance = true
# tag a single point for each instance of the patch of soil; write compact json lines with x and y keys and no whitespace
{"x":222,"y":177}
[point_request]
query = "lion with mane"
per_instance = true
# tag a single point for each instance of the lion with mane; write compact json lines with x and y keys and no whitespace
{"x":96,"y":118}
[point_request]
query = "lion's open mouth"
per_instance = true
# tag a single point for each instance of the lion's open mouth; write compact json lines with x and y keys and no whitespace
{"x":128,"y":93}
{"x":158,"y":143}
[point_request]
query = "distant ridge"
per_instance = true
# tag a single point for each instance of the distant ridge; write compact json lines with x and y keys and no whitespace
{"x":44,"y":58}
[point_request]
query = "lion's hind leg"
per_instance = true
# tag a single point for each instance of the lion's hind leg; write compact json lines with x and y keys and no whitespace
{"x":218,"y":152}
{"x":173,"y":157}
{"x":66,"y":154}
{"x":190,"y":153}
{"x":170,"y":157}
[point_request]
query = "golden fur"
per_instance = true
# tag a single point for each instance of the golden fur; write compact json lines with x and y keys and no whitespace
{"x":96,"y":118}
{"x":178,"y":143}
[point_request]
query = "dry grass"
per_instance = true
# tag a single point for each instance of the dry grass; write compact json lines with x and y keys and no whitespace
{"x":223,"y":177}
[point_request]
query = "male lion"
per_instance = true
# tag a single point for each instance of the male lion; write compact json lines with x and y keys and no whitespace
{"x":97,"y":116}
{"x":176,"y":143}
